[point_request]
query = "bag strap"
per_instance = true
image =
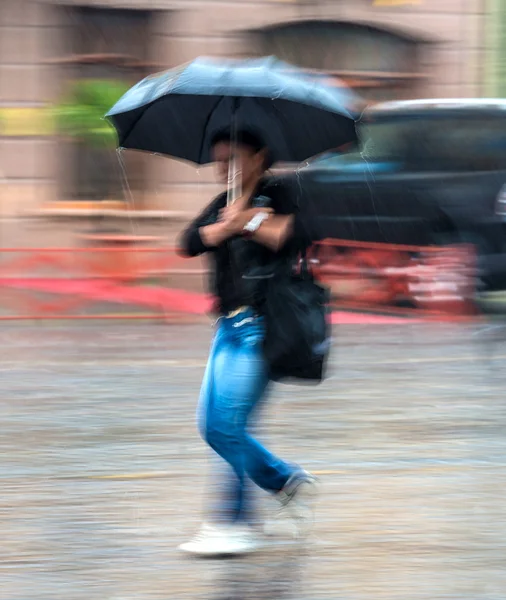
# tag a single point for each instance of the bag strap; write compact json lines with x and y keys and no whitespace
{"x":305,"y":269}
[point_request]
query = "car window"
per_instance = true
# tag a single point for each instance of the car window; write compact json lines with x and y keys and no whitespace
{"x":379,"y":143}
{"x":472,"y":144}
{"x":386,"y":142}
{"x":427,"y":142}
{"x":438,"y":142}
{"x":338,"y":160}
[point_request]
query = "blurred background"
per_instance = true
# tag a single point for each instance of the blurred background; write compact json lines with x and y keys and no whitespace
{"x":62,"y":64}
{"x":102,"y":469}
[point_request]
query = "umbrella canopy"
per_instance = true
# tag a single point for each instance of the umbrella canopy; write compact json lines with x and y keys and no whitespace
{"x":177,"y":112}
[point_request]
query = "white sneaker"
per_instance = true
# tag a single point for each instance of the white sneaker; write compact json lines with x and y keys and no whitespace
{"x":295,"y":516}
{"x":221,"y":540}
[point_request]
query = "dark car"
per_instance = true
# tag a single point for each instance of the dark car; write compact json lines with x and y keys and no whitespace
{"x":428,"y":172}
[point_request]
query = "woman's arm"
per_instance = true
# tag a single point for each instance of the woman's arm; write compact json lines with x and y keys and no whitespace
{"x":204,"y":232}
{"x":215,"y":234}
{"x":274,"y":232}
{"x":286,"y":223}
{"x":292,"y":222}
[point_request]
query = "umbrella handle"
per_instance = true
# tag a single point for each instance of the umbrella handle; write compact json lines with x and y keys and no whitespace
{"x":234,"y":184}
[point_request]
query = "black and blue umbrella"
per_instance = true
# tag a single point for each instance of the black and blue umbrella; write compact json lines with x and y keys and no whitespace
{"x":177,"y":112}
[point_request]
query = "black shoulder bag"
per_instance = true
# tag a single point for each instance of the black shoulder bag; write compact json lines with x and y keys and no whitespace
{"x":298,"y":331}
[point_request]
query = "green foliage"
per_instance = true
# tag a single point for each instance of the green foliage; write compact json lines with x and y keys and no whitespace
{"x":81,"y":113}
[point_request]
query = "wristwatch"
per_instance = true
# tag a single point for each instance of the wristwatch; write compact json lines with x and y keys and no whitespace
{"x":253,"y":225}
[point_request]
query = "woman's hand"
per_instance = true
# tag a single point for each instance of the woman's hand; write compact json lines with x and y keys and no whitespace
{"x":229,"y":213}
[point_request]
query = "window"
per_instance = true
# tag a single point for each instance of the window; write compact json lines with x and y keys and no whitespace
{"x":382,"y":65}
{"x":106,"y":45}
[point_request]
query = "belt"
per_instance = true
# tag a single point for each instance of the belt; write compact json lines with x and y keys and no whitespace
{"x":237,"y":311}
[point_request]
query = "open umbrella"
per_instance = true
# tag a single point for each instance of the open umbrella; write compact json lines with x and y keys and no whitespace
{"x":177,"y":112}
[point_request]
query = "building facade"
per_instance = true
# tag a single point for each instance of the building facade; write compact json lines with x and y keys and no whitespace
{"x":495,"y":35}
{"x":385,"y":48}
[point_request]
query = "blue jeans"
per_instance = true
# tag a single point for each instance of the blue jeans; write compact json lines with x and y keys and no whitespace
{"x":235,"y":382}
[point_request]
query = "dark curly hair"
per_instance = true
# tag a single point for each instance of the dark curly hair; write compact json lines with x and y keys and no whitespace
{"x":244,"y":138}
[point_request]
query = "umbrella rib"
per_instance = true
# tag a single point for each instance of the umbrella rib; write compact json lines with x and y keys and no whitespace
{"x":136,"y":120}
{"x":206,"y":125}
{"x":146,"y":107}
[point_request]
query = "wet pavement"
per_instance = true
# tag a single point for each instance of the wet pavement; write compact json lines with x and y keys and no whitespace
{"x":103,"y":472}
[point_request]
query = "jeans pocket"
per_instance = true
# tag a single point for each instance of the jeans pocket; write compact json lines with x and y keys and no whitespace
{"x":251,"y":333}
{"x":244,"y":321}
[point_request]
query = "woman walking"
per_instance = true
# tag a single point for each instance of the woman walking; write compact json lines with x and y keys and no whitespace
{"x":244,"y":241}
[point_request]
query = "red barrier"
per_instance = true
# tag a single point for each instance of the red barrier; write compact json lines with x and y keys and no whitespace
{"x":82,"y":283}
{"x":86,"y":283}
{"x":431,"y":280}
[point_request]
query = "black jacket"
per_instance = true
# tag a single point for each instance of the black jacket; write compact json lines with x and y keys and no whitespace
{"x":239,"y":268}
